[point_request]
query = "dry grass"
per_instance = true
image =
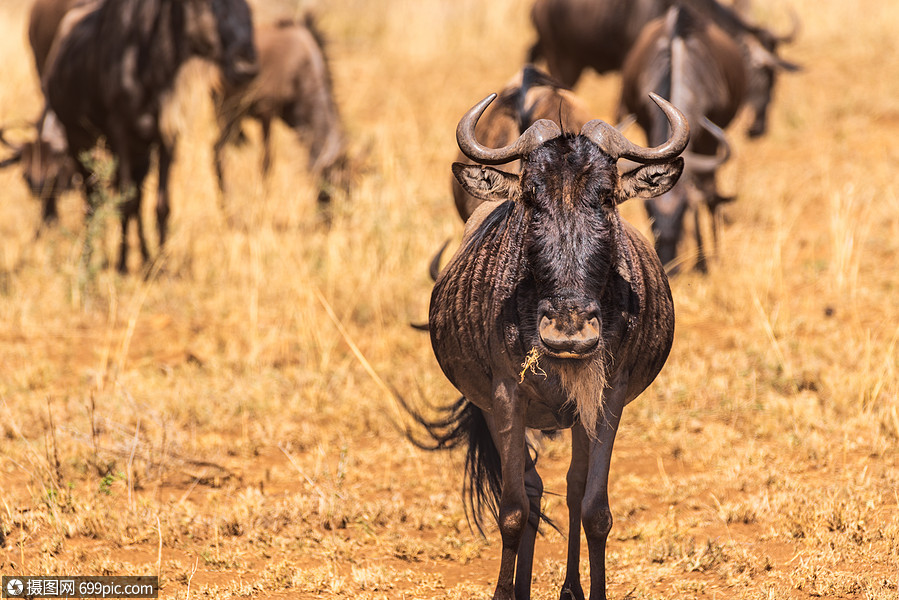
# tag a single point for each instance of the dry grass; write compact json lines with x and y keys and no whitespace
{"x":212,"y":425}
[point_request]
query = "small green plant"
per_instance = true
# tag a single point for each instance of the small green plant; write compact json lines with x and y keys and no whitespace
{"x":108,"y":480}
{"x":102,"y":203}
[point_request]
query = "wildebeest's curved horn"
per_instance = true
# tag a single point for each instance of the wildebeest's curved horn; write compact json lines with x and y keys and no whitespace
{"x":613,"y":142}
{"x":535,"y":135}
{"x":15,"y":158}
{"x":796,"y":27}
{"x":703,"y":163}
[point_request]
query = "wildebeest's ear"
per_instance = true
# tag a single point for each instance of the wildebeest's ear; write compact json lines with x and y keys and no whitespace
{"x":650,"y":181}
{"x":487,"y":183}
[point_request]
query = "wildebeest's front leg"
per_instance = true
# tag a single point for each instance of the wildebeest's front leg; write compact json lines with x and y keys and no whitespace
{"x":506,"y":422}
{"x":595,"y":513}
{"x":576,"y":484}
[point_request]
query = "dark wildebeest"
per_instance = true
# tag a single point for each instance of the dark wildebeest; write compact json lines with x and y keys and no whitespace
{"x":294,"y":85}
{"x":573,"y":35}
{"x":113,"y":66}
{"x":46,"y":166}
{"x":687,"y":59}
{"x":554,"y":313}
{"x":530,"y":95}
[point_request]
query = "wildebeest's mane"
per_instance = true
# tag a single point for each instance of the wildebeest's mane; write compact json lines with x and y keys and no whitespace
{"x":491,"y":223}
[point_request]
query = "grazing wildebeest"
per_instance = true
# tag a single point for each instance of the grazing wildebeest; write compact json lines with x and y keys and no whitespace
{"x":689,"y":60}
{"x":554,"y":313}
{"x":573,"y":35}
{"x":294,"y":85}
{"x":46,"y":166}
{"x":113,"y":65}
{"x":530,"y":95}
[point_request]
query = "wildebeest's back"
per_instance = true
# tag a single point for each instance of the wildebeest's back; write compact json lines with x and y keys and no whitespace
{"x":651,"y":319}
{"x":42,"y":25}
{"x":285,"y":51}
{"x":471,"y":301}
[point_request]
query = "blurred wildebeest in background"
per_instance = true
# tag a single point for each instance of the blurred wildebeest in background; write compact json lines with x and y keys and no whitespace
{"x":759,"y":46}
{"x":294,"y":85}
{"x":687,"y":59}
{"x":553,"y":314}
{"x":111,"y":68}
{"x":530,"y":95}
{"x":46,"y":166}
{"x":573,"y":35}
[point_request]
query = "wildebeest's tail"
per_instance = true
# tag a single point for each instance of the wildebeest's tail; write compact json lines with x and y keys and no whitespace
{"x":463,"y":423}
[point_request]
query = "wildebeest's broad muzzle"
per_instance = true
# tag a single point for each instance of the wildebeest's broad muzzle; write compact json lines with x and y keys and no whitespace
{"x":568,"y":326}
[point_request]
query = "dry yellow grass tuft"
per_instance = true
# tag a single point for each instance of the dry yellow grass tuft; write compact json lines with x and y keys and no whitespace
{"x":211,"y":424}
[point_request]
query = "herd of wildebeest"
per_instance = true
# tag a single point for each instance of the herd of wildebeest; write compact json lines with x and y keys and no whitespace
{"x":554,"y":313}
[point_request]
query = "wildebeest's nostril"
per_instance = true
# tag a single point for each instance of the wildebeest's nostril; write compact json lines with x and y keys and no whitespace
{"x":569,"y":340}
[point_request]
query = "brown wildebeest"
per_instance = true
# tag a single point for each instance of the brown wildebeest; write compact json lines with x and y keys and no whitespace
{"x":46,"y":166}
{"x":573,"y":35}
{"x":294,"y":85}
{"x":113,"y":65}
{"x":530,"y":95}
{"x":687,"y":59}
{"x":554,"y":313}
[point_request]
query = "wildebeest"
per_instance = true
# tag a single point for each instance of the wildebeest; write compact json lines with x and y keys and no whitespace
{"x":294,"y":85}
{"x":46,"y":167}
{"x":45,"y":162}
{"x":112,"y":67}
{"x":689,"y":60}
{"x":530,"y":95}
{"x":554,"y":313}
{"x":573,"y":35}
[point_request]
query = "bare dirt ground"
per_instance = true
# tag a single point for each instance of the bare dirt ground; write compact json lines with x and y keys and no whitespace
{"x":212,"y":425}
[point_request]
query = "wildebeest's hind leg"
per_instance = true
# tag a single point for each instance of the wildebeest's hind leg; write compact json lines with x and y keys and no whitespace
{"x":227,"y":130}
{"x":595,"y":513}
{"x":266,"y":146}
{"x":576,"y":483}
{"x":165,"y":156}
{"x":701,"y":263}
{"x":533,"y":486}
{"x":507,"y":428}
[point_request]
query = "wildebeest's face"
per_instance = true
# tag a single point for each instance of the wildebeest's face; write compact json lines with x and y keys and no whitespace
{"x":666,"y":214}
{"x":764,"y":66}
{"x":568,"y":187}
{"x":47,"y":172}
{"x":222,"y":30}
{"x":570,"y":190}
